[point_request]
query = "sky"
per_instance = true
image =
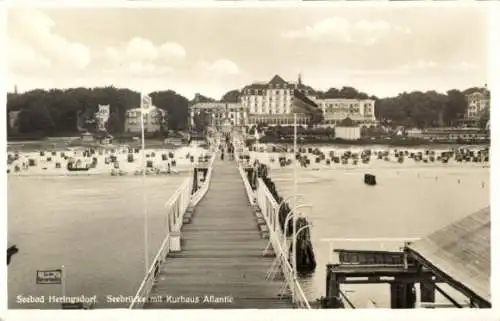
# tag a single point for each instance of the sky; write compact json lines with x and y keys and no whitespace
{"x":382,"y":51}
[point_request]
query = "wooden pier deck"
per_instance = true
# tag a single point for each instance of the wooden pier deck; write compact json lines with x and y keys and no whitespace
{"x":221,"y":263}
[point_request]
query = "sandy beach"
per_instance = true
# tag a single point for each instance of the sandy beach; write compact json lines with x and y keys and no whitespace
{"x":119,"y":160}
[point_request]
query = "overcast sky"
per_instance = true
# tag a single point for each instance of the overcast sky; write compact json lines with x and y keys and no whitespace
{"x":382,"y":51}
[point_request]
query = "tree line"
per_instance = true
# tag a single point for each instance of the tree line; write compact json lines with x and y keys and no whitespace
{"x":57,"y":112}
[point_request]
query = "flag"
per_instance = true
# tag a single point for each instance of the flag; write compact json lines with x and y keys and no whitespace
{"x":303,"y":105}
{"x":49,"y":276}
{"x":146,"y":101}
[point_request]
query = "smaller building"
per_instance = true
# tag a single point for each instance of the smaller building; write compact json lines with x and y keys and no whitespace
{"x":102,"y":117}
{"x":153,"y":120}
{"x":444,"y":134}
{"x":87,"y":137}
{"x":414,"y":133}
{"x":348,"y":129}
{"x":477,"y":102}
{"x":348,"y":133}
{"x":362,"y":111}
{"x":218,"y":113}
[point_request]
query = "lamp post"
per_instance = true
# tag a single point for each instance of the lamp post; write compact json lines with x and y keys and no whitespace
{"x":295,"y":163}
{"x":145,"y":102}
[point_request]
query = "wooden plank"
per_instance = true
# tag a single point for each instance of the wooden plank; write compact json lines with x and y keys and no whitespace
{"x":222,"y":253}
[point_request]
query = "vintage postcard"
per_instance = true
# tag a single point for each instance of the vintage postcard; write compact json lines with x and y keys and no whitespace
{"x":248,"y":157}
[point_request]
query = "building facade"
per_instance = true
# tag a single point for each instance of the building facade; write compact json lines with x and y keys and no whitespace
{"x":362,"y":111}
{"x":102,"y":117}
{"x":154,"y":119}
{"x":477,"y":102}
{"x":218,"y":113}
{"x":271,"y":102}
{"x":348,"y":132}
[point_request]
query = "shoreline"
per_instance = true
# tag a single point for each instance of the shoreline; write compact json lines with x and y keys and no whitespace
{"x":410,"y":143}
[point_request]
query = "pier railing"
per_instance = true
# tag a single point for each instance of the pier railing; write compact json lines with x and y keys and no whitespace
{"x":176,"y":207}
{"x":200,"y":193}
{"x":248,"y":188}
{"x":269,"y":208}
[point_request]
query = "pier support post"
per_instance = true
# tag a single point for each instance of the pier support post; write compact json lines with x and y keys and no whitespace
{"x":402,"y":295}
{"x":175,"y":241}
{"x":427,"y":291}
{"x":333,"y":300}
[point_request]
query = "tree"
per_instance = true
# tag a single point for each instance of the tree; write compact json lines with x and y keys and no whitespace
{"x":68,"y":112}
{"x":484,"y":118}
{"x":35,"y":119}
{"x":456,"y":107}
{"x":176,"y":107}
{"x":232,"y":96}
{"x":199,"y":98}
{"x":421,"y":109}
{"x":201,"y":121}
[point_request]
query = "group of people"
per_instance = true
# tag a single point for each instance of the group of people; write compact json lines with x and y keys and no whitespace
{"x":227,"y":147}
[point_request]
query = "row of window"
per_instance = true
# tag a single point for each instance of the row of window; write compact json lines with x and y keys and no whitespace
{"x":271,"y":93}
{"x":280,"y":121}
{"x":269,"y":112}
{"x":351,"y":111}
{"x":219,"y":110}
{"x":138,"y":115}
{"x":145,"y":122}
{"x":266,"y":92}
{"x":270,"y":98}
{"x":230,"y":115}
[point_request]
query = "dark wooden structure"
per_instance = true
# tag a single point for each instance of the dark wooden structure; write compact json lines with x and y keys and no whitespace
{"x":458,"y":255}
{"x":368,"y":267}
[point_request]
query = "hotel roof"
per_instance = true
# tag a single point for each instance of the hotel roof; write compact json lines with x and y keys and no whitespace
{"x":460,"y":253}
{"x":278,"y":80}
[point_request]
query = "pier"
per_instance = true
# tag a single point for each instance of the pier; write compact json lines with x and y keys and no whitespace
{"x":221,"y":250}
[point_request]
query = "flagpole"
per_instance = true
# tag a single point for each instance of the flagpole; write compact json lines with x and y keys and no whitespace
{"x":63,"y":282}
{"x":144,"y":196}
{"x":294,"y":240}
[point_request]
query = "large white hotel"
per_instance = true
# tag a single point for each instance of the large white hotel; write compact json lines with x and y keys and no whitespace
{"x":270,"y":103}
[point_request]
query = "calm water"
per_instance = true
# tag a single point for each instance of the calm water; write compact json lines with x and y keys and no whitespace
{"x":406,"y":203}
{"x":93,"y":225}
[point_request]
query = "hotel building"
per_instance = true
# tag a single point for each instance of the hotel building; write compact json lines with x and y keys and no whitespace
{"x":154,"y":119}
{"x":271,"y":103}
